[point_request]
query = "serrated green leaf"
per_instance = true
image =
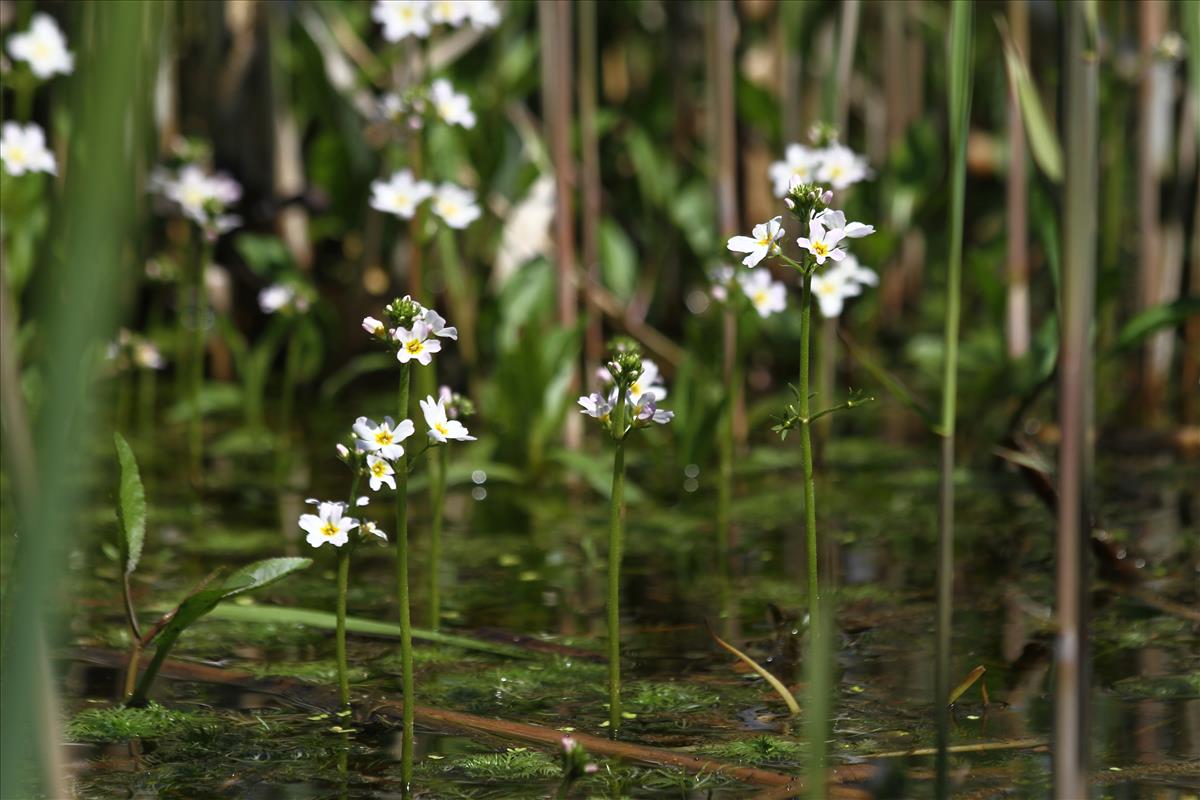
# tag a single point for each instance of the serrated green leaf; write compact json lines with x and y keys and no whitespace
{"x":260,"y":574}
{"x":131,"y":506}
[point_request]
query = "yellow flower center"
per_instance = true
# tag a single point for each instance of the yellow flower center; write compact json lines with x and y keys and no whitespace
{"x":414,"y":346}
{"x":383,"y":437}
{"x":441,"y":428}
{"x":41,"y":51}
{"x":759,"y":298}
{"x":636,"y":389}
{"x":329,"y":530}
{"x":17,"y":155}
{"x":820,"y":249}
{"x":379,"y":469}
{"x":827,"y":288}
{"x":449,"y":209}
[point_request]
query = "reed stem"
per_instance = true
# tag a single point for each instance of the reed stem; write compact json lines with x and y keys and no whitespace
{"x":203,"y":254}
{"x":616,"y":532}
{"x":343,"y":585}
{"x":438,"y":498}
{"x":402,"y":595}
{"x":810,"y":489}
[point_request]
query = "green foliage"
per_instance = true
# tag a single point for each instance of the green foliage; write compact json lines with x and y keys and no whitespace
{"x":646,"y":697}
{"x":1043,"y":141}
{"x":131,"y":506}
{"x":120,"y":724}
{"x":757,"y":751}
{"x":514,"y":764}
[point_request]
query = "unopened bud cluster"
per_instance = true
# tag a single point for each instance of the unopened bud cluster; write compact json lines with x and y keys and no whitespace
{"x":806,"y":200}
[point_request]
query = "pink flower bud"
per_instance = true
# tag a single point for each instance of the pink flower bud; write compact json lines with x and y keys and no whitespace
{"x":343,"y":452}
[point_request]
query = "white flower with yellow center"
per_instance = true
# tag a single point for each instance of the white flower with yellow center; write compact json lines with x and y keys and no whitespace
{"x":383,"y":439}
{"x":202,"y":197}
{"x":400,"y":194}
{"x":855,"y":273}
{"x":823,"y":243}
{"x":483,"y":13}
{"x":453,"y":107}
{"x":799,"y":165}
{"x":23,"y":149}
{"x":328,"y":525}
{"x":43,"y":47}
{"x":402,"y":18}
{"x":441,"y":428}
{"x":766,"y":295}
{"x":763,"y":243}
{"x":841,"y":167}
{"x":415,"y":344}
{"x":648,"y":383}
{"x":448,"y":12}
{"x":455,"y":205}
{"x":831,"y":290}
{"x":832,"y":219}
{"x":380,"y":473}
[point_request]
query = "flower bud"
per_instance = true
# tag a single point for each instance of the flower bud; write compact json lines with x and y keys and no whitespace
{"x":343,"y":452}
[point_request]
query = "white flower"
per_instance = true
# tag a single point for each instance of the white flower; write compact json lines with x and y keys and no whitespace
{"x":371,"y":529}
{"x":400,"y":194}
{"x":766,"y":295}
{"x":597,"y":405}
{"x":831,"y":290}
{"x":416,"y":344}
{"x":856,"y":273}
{"x":721,"y":278}
{"x":647,"y":384}
{"x":832,"y":218}
{"x":448,"y":12}
{"x":23,"y":149}
{"x":799,"y":165}
{"x":374,"y":327}
{"x":147,"y":356}
{"x":327,"y":525}
{"x":764,"y":242}
{"x":455,"y":205}
{"x":384,"y":438}
{"x":43,"y":47}
{"x":483,"y":13}
{"x":380,"y":472}
{"x":441,"y":428}
{"x":202,"y":197}
{"x":402,"y":18}
{"x":841,"y":167}
{"x":822,"y":243}
{"x":363,"y":500}
{"x":437,"y":325}
{"x":454,"y":108}
{"x":275,"y":297}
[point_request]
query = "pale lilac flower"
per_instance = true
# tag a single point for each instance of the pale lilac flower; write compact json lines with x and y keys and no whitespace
{"x":374,"y":327}
{"x":822,"y":243}
{"x":441,"y":427}
{"x":437,"y":325}
{"x":384,"y":438}
{"x":416,"y":344}
{"x":647,"y":411}
{"x":597,"y":405}
{"x":721,"y":278}
{"x":43,"y":47}
{"x":380,"y":473}
{"x":369,"y":528}
{"x":764,"y":242}
{"x":831,"y":290}
{"x":23,"y":149}
{"x":327,"y":525}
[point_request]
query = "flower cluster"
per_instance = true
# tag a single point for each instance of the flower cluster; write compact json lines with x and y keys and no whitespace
{"x":575,"y":762}
{"x":404,"y":18}
{"x":201,"y":196}
{"x":401,"y":194}
{"x":23,"y":149}
{"x":287,"y":298}
{"x":43,"y":47}
{"x":414,"y":331}
{"x":833,"y":165}
{"x":765,"y":295}
{"x":408,"y":110}
{"x":130,"y":349}
{"x":632,"y":392}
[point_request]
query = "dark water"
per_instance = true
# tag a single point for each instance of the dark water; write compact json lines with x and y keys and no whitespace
{"x":532,"y":562}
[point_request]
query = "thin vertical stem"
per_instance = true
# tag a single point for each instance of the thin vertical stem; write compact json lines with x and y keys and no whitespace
{"x":810,"y":489}
{"x":589,"y":147}
{"x":203,"y":253}
{"x":402,"y":595}
{"x":961,"y":25}
{"x":438,"y":499}
{"x":1075,"y":410}
{"x":343,"y":586}
{"x":616,"y":532}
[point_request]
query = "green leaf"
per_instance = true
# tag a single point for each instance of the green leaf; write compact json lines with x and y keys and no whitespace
{"x":131,"y":506}
{"x":890,"y":383}
{"x":260,"y":574}
{"x":1043,"y":142}
{"x":1155,"y":319}
{"x":618,"y":260}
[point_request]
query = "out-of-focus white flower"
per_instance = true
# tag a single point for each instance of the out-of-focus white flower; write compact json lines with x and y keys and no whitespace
{"x":384,"y":438}
{"x":437,"y":325}
{"x":328,"y":525}
{"x":416,"y":344}
{"x":147,"y":356}
{"x":275,"y":297}
{"x":648,"y":384}
{"x":363,"y":500}
{"x":454,"y":108}
{"x":856,"y":273}
{"x":402,"y":18}
{"x":597,"y":405}
{"x":23,"y":149}
{"x":369,"y":528}
{"x":380,"y":473}
{"x":841,"y":167}
{"x":799,"y":165}
{"x":400,"y":194}
{"x":833,"y":219}
{"x":831,"y":290}
{"x":720,"y":279}
{"x":448,"y":12}
{"x":441,"y":427}
{"x":455,"y":205}
{"x":526,"y":229}
{"x":822,"y":243}
{"x":202,"y":197}
{"x":43,"y":47}
{"x":763,"y":243}
{"x":483,"y":13}
{"x":766,"y":295}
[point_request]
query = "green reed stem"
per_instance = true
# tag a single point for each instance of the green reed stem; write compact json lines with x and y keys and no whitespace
{"x":810,"y":489}
{"x":203,"y":254}
{"x":343,"y":584}
{"x":438,"y":498}
{"x":960,"y":110}
{"x":728,"y":446}
{"x":402,"y":596}
{"x":291,"y":366}
{"x":616,"y":533}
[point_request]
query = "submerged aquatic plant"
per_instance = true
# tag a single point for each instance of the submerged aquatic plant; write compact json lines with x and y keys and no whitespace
{"x":629,"y":403}
{"x":131,"y":513}
{"x":575,"y":764}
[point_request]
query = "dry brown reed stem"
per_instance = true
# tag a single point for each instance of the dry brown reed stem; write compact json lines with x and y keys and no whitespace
{"x":1152,"y":22}
{"x":590,"y":189}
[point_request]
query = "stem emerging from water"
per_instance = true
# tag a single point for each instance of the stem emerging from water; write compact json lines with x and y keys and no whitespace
{"x":810,"y":490}
{"x":438,"y":498}
{"x":343,"y":584}
{"x":406,"y":654}
{"x":616,"y":531}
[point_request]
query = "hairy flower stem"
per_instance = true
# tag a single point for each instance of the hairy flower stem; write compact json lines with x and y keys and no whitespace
{"x":810,"y":491}
{"x":203,"y":254}
{"x":438,"y":498}
{"x":406,"y":652}
{"x":616,"y":531}
{"x":343,"y":585}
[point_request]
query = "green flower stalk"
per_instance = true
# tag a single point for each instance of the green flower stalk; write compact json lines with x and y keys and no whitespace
{"x":631,"y":402}
{"x":441,"y":415}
